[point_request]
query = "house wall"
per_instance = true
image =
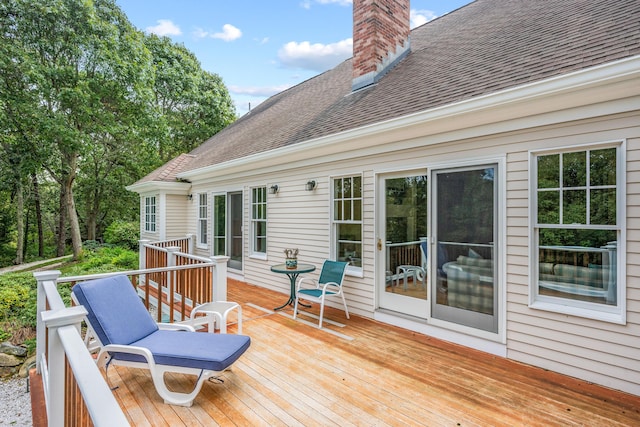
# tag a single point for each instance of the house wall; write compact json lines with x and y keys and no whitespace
{"x":602,"y":352}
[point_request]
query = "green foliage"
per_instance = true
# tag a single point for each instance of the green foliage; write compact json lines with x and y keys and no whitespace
{"x":122,"y":233}
{"x":15,"y":293}
{"x":102,"y":260}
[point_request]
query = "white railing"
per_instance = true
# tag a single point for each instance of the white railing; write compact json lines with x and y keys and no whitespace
{"x":63,"y":359}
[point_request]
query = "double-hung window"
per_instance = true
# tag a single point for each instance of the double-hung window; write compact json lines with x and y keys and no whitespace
{"x":347,"y":220}
{"x":259,"y":220}
{"x":577,"y":224}
{"x":203,"y":219}
{"x":150,"y":214}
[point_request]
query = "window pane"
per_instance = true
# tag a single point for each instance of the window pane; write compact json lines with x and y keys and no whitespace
{"x":574,"y":169}
{"x":603,"y":207}
{"x":574,"y":207}
{"x":349,"y":244}
{"x":337,"y":210}
{"x":549,"y":171}
{"x":337,"y":189}
{"x":357,"y":187}
{"x":603,"y":167}
{"x":357,"y":210}
{"x":348,"y":214}
{"x":578,"y":265}
{"x":549,"y":207}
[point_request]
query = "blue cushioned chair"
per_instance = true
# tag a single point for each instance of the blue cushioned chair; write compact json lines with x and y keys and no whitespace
{"x":328,"y":285}
{"x":129,"y":336}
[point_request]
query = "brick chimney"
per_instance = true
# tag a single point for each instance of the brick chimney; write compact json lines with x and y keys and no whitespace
{"x":380,"y":38}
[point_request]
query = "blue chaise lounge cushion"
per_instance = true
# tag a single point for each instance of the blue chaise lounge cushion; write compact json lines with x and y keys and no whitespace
{"x":118,"y":316}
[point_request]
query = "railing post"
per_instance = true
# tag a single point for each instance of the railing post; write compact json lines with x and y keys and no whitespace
{"x":219,"y":278}
{"x":56,"y":392}
{"x":41,"y":306}
{"x":191,"y":238}
{"x":142,"y":253}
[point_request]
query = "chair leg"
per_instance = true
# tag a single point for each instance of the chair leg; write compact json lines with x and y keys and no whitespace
{"x":344,"y":302}
{"x":295,"y":308}
{"x":321,"y":313}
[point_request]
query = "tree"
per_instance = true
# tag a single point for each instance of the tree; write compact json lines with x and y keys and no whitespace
{"x":192,"y":104}
{"x":91,"y":71}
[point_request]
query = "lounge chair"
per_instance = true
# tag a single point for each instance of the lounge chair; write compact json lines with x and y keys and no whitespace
{"x":129,"y":336}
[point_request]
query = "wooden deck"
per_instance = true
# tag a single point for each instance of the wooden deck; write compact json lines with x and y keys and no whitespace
{"x":367,"y":373}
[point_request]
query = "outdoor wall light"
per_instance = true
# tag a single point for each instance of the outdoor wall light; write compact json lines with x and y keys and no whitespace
{"x":189,"y":196}
{"x":310,"y":185}
{"x":273,"y":189}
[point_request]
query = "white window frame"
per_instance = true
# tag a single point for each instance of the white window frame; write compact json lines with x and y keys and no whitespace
{"x":258,"y":206}
{"x":150,"y":214}
{"x":203,"y":220}
{"x":352,"y":270}
{"x":591,"y":310}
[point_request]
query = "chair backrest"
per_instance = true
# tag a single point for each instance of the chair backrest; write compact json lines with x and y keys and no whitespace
{"x":333,"y":271}
{"x":423,"y":252}
{"x":115,"y":311}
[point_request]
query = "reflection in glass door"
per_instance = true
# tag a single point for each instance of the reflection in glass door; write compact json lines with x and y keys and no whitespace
{"x":227,"y":227}
{"x":464,"y":229}
{"x":403,"y":249}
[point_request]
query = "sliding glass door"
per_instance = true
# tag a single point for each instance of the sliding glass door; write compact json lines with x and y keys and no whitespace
{"x":402,"y":243}
{"x":464,"y":232}
{"x":227,"y":227}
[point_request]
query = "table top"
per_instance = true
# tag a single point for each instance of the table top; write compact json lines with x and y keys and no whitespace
{"x":302,"y":268}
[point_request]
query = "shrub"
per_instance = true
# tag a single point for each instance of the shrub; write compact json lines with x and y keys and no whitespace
{"x":122,"y":233}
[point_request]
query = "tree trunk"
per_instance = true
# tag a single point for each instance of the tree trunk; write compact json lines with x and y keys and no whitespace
{"x":62,"y":223}
{"x":36,"y":196}
{"x":72,"y":214}
{"x":19,"y":223}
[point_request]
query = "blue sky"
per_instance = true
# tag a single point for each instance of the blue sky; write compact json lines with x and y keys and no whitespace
{"x":261,"y":47}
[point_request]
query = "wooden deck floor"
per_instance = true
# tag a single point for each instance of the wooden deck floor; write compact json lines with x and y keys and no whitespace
{"x":367,"y":373}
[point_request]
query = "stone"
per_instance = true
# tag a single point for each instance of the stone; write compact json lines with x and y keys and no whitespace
{"x":26,"y":366}
{"x":9,"y":365}
{"x":14,"y":350}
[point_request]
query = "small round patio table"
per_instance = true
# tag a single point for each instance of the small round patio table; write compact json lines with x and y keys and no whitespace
{"x":293,"y":276}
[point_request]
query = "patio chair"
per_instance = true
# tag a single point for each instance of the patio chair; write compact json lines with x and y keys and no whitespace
{"x":129,"y":336}
{"x":328,"y":285}
{"x":419,"y":272}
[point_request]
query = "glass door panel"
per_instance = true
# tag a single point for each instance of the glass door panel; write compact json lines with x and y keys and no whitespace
{"x":464,"y":230}
{"x":403,"y":249}
{"x":235,"y":230}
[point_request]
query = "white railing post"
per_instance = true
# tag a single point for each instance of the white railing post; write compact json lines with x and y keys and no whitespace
{"x":53,"y":320}
{"x":41,"y":306}
{"x":192,"y":243}
{"x":219,"y":285}
{"x":142,"y":253}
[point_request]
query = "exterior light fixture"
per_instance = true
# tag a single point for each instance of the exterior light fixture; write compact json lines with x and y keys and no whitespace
{"x":189,"y":196}
{"x":310,"y":185}
{"x":273,"y":189}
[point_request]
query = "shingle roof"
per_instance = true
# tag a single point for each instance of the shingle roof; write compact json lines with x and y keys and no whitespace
{"x":169,"y":171}
{"x":484,"y":47}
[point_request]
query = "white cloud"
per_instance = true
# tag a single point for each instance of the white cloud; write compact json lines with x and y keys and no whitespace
{"x":199,"y":33}
{"x":164,"y":28}
{"x":262,"y":91}
{"x":306,"y":4}
{"x":419,"y":17}
{"x":317,"y":56}
{"x":229,"y":33}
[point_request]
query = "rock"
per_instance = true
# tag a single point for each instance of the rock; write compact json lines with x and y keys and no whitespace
{"x":14,"y":350}
{"x":26,"y":366}
{"x":9,"y":365}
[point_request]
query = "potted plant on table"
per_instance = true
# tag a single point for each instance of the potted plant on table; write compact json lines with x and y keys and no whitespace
{"x":291,"y":258}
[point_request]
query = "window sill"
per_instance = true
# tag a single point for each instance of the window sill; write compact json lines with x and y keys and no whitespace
{"x":615,"y":315}
{"x":258,"y":255}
